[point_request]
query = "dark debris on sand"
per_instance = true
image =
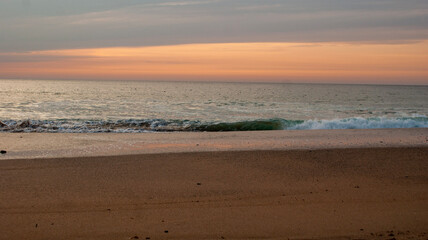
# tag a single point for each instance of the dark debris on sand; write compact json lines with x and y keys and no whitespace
{"x":2,"y":124}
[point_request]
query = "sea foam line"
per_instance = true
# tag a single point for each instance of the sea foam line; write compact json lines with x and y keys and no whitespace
{"x":160,"y":125}
{"x":363,"y":123}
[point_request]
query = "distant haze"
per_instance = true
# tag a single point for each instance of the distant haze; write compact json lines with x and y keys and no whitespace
{"x":340,"y":41}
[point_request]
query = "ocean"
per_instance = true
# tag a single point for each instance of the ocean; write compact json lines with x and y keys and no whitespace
{"x":139,"y":106}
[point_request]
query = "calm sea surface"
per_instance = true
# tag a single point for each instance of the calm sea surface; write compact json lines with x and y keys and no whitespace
{"x":131,"y":106}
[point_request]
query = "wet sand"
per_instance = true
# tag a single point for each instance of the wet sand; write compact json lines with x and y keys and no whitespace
{"x":350,"y":191}
{"x":61,"y":145}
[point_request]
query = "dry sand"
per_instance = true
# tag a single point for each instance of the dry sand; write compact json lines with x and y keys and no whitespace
{"x":371,"y":186}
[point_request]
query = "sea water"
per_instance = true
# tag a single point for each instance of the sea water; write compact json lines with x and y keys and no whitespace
{"x":140,"y":106}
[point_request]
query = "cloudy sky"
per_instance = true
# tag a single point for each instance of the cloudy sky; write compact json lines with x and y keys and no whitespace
{"x":355,"y":41}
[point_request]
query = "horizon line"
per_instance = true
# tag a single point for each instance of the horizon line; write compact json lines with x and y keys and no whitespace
{"x":217,"y":81}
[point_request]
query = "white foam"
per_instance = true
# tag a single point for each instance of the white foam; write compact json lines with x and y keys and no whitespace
{"x":363,"y":123}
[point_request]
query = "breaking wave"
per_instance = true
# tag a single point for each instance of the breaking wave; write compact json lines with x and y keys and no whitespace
{"x":161,"y":125}
{"x":363,"y":123}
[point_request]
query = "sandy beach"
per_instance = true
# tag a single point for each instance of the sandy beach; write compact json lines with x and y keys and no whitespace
{"x":344,"y":184}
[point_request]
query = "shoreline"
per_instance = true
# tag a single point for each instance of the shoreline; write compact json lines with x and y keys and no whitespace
{"x":61,"y":145}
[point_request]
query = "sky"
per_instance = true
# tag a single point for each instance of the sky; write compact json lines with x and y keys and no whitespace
{"x":327,"y":41}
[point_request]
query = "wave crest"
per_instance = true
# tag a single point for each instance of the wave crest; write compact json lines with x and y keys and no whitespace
{"x":363,"y":123}
{"x":161,"y":125}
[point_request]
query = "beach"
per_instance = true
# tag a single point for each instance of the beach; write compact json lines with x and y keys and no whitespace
{"x":214,"y":119}
{"x":308,"y":184}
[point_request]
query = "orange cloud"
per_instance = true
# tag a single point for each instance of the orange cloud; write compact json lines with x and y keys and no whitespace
{"x":294,"y":62}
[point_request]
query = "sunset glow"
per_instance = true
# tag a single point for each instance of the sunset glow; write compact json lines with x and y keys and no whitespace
{"x":284,"y":62}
